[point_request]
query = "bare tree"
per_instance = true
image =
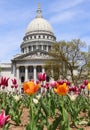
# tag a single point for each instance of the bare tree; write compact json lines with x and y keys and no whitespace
{"x":69,"y":61}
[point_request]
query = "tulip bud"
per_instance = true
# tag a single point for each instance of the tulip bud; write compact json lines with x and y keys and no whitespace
{"x":41,"y":76}
{"x":82,"y":86}
{"x":68,"y":83}
{"x":53,"y":83}
{"x":85,"y":82}
{"x":60,"y":82}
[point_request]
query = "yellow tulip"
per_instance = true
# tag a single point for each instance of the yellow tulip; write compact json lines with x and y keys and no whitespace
{"x":88,"y":86}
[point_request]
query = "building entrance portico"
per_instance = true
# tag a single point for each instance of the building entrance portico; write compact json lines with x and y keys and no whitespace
{"x":25,"y":73}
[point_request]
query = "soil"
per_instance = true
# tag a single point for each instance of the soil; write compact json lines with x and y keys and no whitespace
{"x":25,"y":120}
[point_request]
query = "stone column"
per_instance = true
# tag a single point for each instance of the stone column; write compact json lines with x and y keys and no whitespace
{"x":42,"y":47}
{"x":26,"y":73}
{"x":17,"y":73}
{"x":32,"y":48}
{"x":47,"y":48}
{"x":35,"y":73}
{"x":27,"y":49}
{"x":43,"y":70}
{"x":14,"y":69}
{"x":37,"y":47}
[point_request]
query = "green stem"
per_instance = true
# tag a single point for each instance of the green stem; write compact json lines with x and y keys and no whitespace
{"x":88,"y":96}
{"x":63,"y":107}
{"x":65,"y":124}
{"x":49,"y":104}
{"x":6,"y":127}
{"x":31,"y":112}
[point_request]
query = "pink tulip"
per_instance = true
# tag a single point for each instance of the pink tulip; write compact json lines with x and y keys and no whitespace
{"x":53,"y":83}
{"x":41,"y":76}
{"x":4,"y":119}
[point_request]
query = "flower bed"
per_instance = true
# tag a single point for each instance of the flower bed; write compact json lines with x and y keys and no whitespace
{"x":25,"y":120}
{"x":45,"y":105}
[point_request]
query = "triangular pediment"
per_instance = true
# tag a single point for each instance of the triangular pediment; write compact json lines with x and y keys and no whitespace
{"x":37,"y":54}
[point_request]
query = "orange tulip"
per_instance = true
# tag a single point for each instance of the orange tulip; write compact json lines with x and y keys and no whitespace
{"x":30,"y":87}
{"x":61,"y":89}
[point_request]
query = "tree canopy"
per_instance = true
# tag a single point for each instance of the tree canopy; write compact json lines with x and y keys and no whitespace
{"x":70,"y":61}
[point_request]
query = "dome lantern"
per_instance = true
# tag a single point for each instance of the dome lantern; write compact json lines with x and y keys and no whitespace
{"x":39,"y":12}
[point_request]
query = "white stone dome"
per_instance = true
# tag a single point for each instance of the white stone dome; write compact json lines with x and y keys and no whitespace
{"x":39,"y":24}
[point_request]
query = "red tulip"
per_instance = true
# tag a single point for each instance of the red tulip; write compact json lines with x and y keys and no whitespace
{"x":82,"y":86}
{"x":4,"y":81}
{"x":85,"y":82}
{"x":47,"y":86}
{"x":74,"y":89}
{"x":60,"y":82}
{"x":14,"y":83}
{"x":37,"y":82}
{"x":68,"y":83}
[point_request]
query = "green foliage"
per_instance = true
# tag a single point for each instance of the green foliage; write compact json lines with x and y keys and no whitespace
{"x":15,"y":110}
{"x":51,"y":111}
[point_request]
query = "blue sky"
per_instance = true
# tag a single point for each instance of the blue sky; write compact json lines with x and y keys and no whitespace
{"x":70,"y":19}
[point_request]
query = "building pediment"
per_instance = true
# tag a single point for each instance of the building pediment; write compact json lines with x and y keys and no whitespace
{"x":37,"y":54}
